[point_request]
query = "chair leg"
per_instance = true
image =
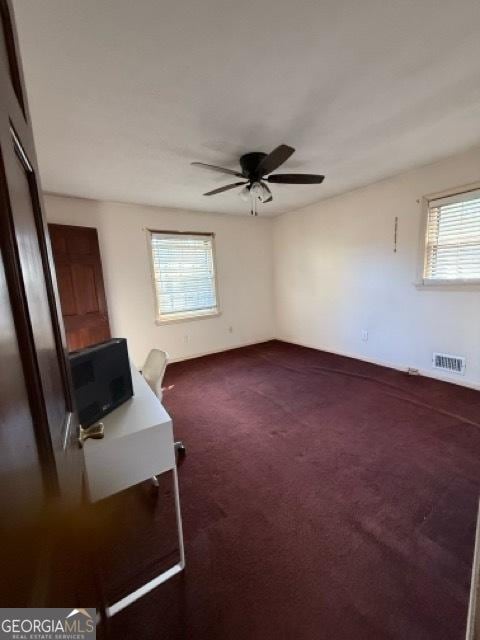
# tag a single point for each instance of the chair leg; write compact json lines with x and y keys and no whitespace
{"x":180,"y":448}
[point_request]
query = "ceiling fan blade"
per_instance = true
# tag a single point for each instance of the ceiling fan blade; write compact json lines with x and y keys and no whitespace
{"x":274,"y":159}
{"x":212,"y":167}
{"x":225,"y":188}
{"x":296,"y":178}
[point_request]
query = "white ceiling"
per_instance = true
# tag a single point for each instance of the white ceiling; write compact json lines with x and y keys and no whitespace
{"x":125,"y":94}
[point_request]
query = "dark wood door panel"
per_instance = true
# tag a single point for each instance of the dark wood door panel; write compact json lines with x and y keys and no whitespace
{"x":84,"y":332}
{"x":40,"y":462}
{"x":9,"y":51}
{"x":20,"y":456}
{"x":59,"y":244}
{"x":82,"y":294}
{"x":86,"y":289}
{"x":31,"y":264}
{"x":81,"y":241}
{"x":65,"y":286}
{"x":22,"y":487}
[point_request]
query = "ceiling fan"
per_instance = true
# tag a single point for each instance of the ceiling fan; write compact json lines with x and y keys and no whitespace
{"x":254,"y":169}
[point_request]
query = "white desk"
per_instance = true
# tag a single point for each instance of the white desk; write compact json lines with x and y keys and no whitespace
{"x":138,"y":444}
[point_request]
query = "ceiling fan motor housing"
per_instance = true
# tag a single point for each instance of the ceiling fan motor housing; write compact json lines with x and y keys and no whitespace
{"x":250,"y":162}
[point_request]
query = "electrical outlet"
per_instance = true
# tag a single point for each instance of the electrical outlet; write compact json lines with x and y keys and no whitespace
{"x":185,"y":337}
{"x":364,"y":335}
{"x":230,"y":329}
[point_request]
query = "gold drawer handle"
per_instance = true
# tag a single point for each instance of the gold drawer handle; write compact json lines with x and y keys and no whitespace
{"x":96,"y":431}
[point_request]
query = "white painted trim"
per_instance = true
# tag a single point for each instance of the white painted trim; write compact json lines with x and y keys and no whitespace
{"x":453,"y":191}
{"x":422,"y":242}
{"x":66,"y":430}
{"x":445,"y":285}
{"x":429,"y":283}
{"x":474,"y":586}
{"x":222,"y":349}
{"x":194,"y":315}
{"x":189,"y":315}
{"x":384,"y":363}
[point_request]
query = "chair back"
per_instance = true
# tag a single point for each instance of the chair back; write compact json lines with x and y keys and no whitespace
{"x":154,"y":370}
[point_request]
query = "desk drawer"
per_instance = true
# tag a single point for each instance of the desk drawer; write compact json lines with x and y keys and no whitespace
{"x":114,"y":464}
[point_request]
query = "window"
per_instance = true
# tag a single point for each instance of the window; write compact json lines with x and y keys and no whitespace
{"x":452,"y":247}
{"x":184,"y":275}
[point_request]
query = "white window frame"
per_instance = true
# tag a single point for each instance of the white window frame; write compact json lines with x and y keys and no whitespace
{"x":162,"y":319}
{"x":436,"y":283}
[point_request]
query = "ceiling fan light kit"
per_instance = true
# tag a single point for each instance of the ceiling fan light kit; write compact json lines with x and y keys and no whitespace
{"x":245,"y":193}
{"x":255,"y":168}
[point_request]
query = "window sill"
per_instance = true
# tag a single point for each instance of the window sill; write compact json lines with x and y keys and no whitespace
{"x":185,"y":317}
{"x":448,"y":285}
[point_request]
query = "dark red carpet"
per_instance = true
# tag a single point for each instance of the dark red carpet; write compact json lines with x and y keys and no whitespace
{"x":323,"y":498}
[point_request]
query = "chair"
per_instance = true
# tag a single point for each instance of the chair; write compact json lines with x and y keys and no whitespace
{"x":153,"y":372}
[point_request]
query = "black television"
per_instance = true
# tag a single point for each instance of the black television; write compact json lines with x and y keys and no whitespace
{"x":101,"y":379}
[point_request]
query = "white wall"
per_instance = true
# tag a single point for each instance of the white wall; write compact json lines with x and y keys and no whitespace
{"x":336,"y":274}
{"x":244,"y":268}
{"x":318,"y":276}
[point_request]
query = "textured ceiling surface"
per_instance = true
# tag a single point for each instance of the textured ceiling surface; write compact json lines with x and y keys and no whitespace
{"x":124,"y":95}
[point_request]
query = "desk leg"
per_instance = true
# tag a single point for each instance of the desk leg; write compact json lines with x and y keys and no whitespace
{"x":165,"y":575}
{"x":178,"y":515}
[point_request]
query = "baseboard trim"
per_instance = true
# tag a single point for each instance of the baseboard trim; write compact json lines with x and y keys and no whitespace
{"x":220,"y":350}
{"x":385,"y":363}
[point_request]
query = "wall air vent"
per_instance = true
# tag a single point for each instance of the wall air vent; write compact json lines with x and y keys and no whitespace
{"x":451,"y":364}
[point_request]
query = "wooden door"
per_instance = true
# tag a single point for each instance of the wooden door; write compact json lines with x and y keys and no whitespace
{"x":80,"y":282}
{"x":40,"y":462}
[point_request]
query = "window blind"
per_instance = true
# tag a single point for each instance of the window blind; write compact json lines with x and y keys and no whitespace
{"x":452,"y":249}
{"x":184,"y":274}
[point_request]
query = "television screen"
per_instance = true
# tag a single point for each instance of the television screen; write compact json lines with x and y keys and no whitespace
{"x":101,"y":379}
